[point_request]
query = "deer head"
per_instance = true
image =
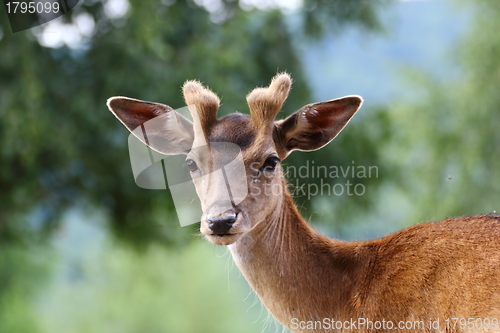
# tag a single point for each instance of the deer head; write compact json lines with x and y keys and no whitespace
{"x":261,"y":141}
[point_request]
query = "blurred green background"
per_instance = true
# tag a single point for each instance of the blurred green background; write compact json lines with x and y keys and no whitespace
{"x":83,"y":249}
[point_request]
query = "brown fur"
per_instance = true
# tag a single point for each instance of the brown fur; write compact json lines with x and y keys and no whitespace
{"x":206,"y":102}
{"x":236,"y":128}
{"x":265,"y":103}
{"x":443,"y":270}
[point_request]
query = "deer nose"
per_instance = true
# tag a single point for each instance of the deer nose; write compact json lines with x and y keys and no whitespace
{"x":221,"y":224}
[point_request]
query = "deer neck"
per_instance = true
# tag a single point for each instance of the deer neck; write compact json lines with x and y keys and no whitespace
{"x":291,"y":267}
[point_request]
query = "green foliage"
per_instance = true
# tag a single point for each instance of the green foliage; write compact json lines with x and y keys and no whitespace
{"x":114,"y":288}
{"x":23,"y":269}
{"x":324,"y":15}
{"x":447,"y":143}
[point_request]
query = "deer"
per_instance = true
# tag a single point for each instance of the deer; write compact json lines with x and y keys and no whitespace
{"x":432,"y":277}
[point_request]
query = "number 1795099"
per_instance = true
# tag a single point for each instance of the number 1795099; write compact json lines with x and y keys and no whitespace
{"x":32,"y":7}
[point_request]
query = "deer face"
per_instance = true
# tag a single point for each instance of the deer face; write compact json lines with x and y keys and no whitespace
{"x":232,"y":174}
{"x":235,"y":161}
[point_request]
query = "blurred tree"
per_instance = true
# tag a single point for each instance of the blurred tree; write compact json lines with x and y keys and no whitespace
{"x":449,"y":152}
{"x":62,"y":148}
{"x":319,"y":16}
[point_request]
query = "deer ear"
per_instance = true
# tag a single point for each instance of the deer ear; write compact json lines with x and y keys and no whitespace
{"x":157,"y":125}
{"x":315,"y":125}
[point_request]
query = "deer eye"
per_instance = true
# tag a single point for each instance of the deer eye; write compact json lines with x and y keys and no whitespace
{"x":191,"y":165}
{"x":270,"y":163}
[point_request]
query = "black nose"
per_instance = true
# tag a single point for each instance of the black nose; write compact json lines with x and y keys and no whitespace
{"x":221,"y":224}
